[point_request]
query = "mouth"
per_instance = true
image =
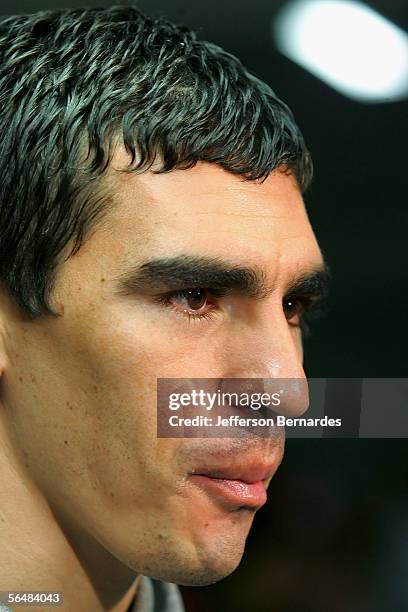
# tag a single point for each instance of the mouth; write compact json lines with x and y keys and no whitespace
{"x":238,"y":486}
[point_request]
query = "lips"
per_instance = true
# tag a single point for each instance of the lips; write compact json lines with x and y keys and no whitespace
{"x":233,"y":493}
{"x":245,"y":473}
{"x":236,"y":486}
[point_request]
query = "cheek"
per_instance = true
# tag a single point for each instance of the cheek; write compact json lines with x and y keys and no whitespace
{"x":119,"y":377}
{"x":142,"y":347}
{"x":83,"y":402}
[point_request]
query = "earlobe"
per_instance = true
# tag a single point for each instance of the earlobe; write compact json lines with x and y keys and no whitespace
{"x":4,"y":318}
{"x":3,"y":353}
{"x":2,"y":370}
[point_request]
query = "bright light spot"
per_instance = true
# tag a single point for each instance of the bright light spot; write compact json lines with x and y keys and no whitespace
{"x":346,"y":44}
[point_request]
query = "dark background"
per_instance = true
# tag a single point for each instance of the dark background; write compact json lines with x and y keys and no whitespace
{"x":334,"y":533}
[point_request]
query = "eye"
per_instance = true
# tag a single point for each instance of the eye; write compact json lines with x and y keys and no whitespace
{"x":194,"y":299}
{"x":194,"y":303}
{"x":293,"y":309}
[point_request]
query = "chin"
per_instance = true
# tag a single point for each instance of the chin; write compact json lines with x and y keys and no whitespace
{"x":191,"y":565}
{"x":207,"y":566}
{"x":207,"y":576}
{"x":202,"y":575}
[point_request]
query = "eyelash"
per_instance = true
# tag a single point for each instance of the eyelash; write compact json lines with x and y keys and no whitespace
{"x":166,"y":300}
{"x":308,"y":306}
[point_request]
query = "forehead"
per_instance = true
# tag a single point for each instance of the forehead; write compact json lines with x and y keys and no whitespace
{"x":208,"y":210}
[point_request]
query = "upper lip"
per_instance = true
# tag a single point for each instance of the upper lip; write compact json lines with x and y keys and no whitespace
{"x":252,"y":472}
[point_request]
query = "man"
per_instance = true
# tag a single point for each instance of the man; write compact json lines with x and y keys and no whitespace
{"x":152,"y":226}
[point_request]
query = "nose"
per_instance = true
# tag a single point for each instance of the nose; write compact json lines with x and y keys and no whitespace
{"x":269,"y":350}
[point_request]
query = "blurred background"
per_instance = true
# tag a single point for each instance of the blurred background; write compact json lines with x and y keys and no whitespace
{"x":333,"y":535}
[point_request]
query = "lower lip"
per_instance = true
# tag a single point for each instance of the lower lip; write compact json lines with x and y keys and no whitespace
{"x":237,"y":492}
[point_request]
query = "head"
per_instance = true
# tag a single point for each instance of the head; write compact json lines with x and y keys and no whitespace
{"x":139,"y":163}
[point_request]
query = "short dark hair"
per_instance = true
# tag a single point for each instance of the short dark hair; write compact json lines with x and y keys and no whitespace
{"x":73,"y":81}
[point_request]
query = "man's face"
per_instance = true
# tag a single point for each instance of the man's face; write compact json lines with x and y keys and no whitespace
{"x":81,"y":388}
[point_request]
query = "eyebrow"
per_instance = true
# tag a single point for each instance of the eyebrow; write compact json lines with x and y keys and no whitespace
{"x":186,"y":271}
{"x":314,"y":284}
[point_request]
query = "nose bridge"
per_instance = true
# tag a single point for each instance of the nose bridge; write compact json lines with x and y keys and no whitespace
{"x":268,"y":350}
{"x":265,"y":349}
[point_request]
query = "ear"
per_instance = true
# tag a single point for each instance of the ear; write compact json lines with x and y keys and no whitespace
{"x":2,"y":349}
{"x":4,"y":319}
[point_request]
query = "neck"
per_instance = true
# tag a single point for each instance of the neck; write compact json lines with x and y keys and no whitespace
{"x":42,"y":553}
